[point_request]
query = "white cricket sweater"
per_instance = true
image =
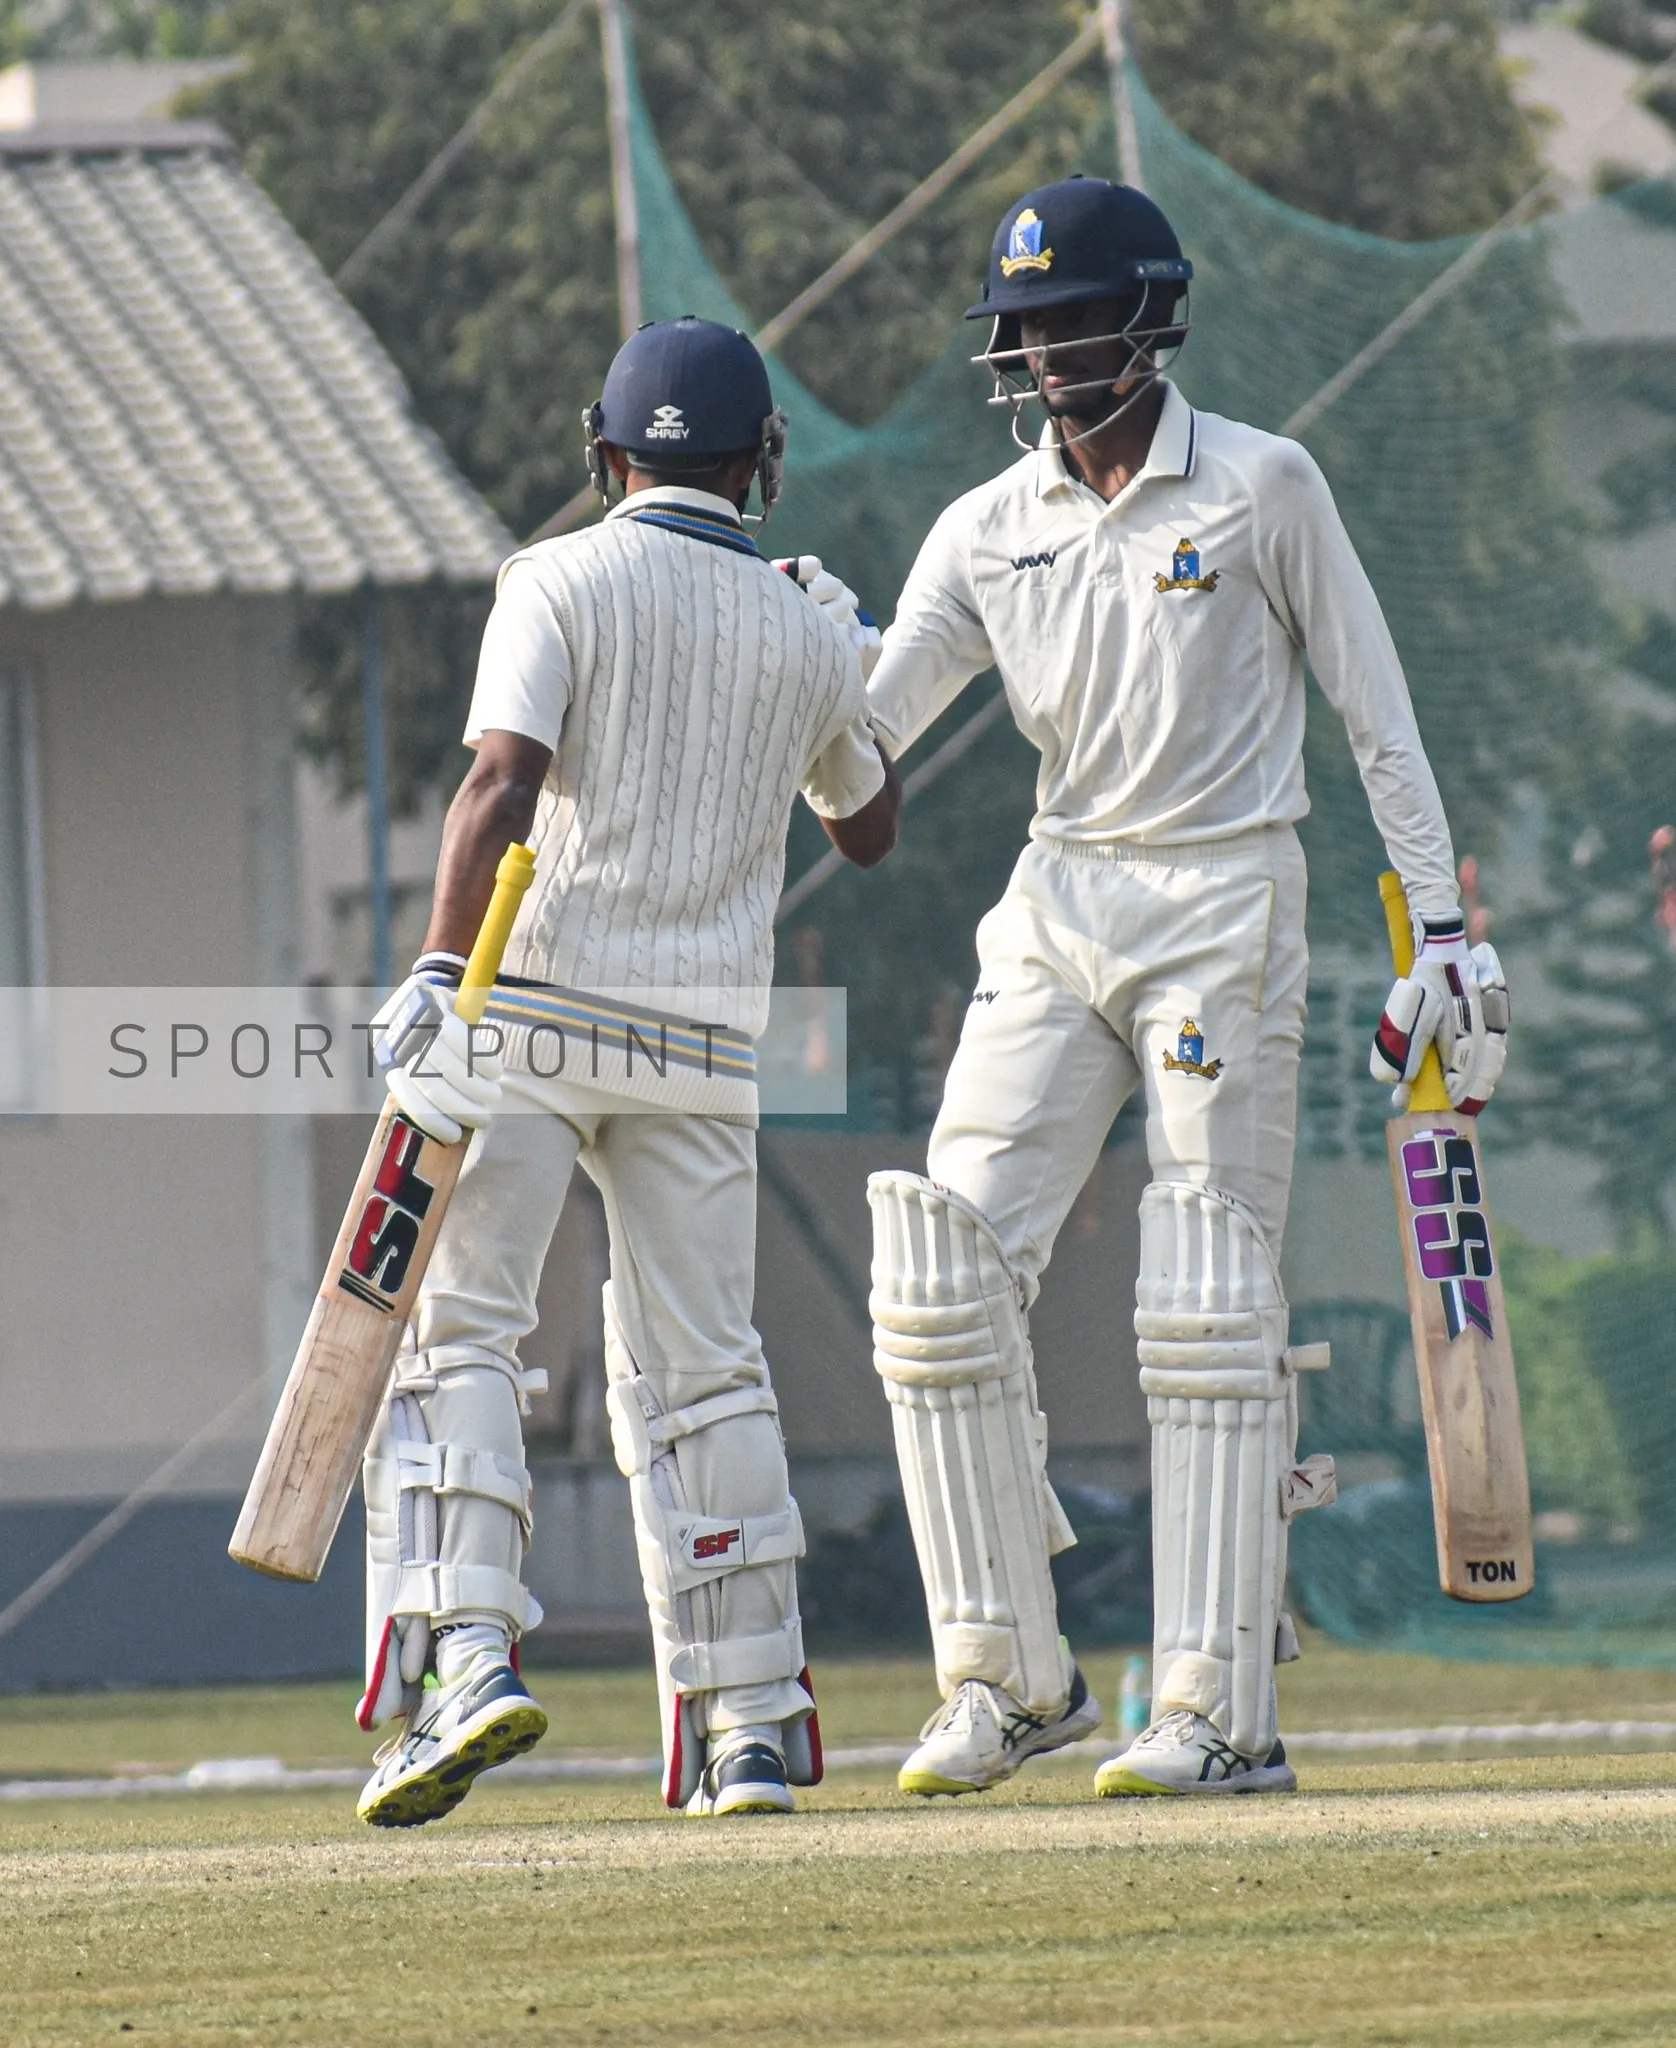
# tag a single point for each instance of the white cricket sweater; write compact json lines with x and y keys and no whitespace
{"x":688,"y":692}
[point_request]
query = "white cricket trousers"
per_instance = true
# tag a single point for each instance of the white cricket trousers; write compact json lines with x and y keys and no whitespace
{"x":680,"y":1205}
{"x":1181,"y":969}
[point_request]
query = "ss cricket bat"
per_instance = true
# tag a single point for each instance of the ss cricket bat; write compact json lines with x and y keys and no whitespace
{"x":332,"y":1396}
{"x":1475,"y":1444}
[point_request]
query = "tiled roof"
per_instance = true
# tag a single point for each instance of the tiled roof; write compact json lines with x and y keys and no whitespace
{"x":187,"y":403}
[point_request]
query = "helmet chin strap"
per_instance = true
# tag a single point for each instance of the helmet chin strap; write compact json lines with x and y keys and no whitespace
{"x":1143,"y":345}
{"x":1138,"y":390}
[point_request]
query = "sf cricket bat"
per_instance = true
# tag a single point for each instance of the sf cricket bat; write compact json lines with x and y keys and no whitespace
{"x":1475,"y":1444}
{"x":336,"y":1386}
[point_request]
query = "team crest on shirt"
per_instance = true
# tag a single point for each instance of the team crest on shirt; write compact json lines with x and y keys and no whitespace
{"x":1185,"y":572}
{"x":1024,"y":245}
{"x":1189,"y":1055}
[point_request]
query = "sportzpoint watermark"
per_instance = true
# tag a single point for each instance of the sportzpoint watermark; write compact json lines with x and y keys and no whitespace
{"x":311,"y":1051}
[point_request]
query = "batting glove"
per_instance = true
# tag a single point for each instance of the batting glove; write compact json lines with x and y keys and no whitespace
{"x":840,"y":604}
{"x":1453,"y":997}
{"x":436,"y":1076}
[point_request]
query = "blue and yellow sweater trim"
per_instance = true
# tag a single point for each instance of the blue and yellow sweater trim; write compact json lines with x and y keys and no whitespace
{"x":713,"y":527}
{"x":596,"y":1025}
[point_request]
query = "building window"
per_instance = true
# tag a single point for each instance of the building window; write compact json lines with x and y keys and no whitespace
{"x":22,"y":935}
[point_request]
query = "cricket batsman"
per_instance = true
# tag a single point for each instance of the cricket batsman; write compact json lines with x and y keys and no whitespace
{"x":650,"y":698}
{"x":1149,"y":580}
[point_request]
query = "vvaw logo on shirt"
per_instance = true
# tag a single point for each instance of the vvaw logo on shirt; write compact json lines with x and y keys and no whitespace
{"x":667,"y":424}
{"x":1042,"y":561}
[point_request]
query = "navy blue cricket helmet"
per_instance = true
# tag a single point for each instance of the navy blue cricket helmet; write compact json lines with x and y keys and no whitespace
{"x":683,"y":395}
{"x":1080,"y":239}
{"x":1065,"y":244}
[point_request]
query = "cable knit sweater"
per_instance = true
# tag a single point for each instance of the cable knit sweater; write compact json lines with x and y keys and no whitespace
{"x":688,"y":691}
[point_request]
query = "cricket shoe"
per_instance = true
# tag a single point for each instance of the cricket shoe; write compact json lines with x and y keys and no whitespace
{"x":744,"y":1773}
{"x":484,"y":1718}
{"x":981,"y":1735}
{"x":1183,"y":1752}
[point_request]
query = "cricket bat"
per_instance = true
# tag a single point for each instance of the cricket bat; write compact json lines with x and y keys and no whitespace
{"x":1475,"y":1444}
{"x":337,"y":1382}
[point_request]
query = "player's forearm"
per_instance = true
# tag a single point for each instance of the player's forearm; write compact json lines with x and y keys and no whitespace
{"x":494,"y":806}
{"x":867,"y":835}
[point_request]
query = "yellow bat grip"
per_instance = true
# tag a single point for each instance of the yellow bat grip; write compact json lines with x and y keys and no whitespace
{"x":1428,"y":1092}
{"x":513,"y":876}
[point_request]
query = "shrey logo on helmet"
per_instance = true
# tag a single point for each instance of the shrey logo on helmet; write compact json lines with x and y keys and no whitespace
{"x":682,"y":397}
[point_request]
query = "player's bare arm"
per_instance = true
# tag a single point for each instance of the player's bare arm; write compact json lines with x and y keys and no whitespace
{"x":869,"y":834}
{"x":494,"y":806}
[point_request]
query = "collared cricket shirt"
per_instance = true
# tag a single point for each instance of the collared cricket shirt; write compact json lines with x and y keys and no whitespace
{"x":1153,"y":648}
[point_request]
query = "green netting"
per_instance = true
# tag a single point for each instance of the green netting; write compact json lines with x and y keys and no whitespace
{"x":1507,"y":474}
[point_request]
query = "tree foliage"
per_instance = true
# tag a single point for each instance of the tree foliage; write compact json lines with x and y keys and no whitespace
{"x":1393,"y":116}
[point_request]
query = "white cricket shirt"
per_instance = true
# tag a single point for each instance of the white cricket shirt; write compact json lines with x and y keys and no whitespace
{"x":688,"y":691}
{"x":1153,"y":648}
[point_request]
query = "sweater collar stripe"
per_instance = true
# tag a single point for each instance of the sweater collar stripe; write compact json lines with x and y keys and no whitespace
{"x":711,"y":527}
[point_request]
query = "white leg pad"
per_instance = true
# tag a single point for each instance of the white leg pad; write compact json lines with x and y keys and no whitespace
{"x":721,"y":1589}
{"x":950,"y":1344}
{"x":1211,"y":1324}
{"x":448,"y":1517}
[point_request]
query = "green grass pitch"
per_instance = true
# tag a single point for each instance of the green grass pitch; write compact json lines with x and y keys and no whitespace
{"x":1526,"y":1900}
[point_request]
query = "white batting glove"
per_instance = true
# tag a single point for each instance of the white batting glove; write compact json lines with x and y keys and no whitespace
{"x":1452,"y":997}
{"x":437,"y":1078}
{"x":840,"y":604}
{"x":1487,"y":995}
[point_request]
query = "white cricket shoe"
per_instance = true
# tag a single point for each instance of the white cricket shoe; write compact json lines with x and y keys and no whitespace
{"x":745,"y":1772}
{"x":982,"y":1734}
{"x":484,"y":1718}
{"x":1183,"y":1752}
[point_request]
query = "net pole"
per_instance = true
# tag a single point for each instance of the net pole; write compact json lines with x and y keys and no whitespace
{"x":865,"y":247}
{"x":614,"y":49}
{"x":1123,"y":107}
{"x":378,"y":787}
{"x":862,"y":251}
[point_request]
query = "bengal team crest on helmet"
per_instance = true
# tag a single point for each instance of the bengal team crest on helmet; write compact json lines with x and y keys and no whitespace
{"x":1024,"y":245}
{"x":1185,"y":572}
{"x":1189,"y":1055}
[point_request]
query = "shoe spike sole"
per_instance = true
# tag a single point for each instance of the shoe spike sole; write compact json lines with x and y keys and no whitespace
{"x":436,"y":1791}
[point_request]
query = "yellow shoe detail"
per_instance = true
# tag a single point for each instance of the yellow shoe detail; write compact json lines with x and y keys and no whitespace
{"x":492,"y":1738}
{"x":929,"y":1786}
{"x":1112,"y":1781}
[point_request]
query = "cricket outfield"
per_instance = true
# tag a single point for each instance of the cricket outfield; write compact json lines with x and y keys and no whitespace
{"x":1519,"y":1899}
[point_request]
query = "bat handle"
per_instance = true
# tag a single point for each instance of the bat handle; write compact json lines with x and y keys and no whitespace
{"x":1428,"y":1092}
{"x":512,"y":877}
